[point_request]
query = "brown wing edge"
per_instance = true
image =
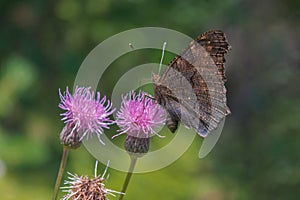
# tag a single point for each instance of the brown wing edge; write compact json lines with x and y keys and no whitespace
{"x":216,"y":44}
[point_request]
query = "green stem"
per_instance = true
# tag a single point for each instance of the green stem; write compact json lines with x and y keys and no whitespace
{"x":60,"y":172}
{"x":129,"y":174}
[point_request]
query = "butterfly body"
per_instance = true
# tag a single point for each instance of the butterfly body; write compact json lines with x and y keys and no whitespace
{"x":192,"y":88}
{"x":165,"y":97}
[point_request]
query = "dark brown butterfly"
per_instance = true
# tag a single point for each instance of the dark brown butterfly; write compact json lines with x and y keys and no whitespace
{"x":192,"y":89}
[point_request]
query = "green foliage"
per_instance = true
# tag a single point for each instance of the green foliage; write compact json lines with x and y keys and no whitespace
{"x":44,"y":42}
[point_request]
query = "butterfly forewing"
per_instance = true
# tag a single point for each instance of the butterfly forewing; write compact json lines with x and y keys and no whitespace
{"x":192,"y":88}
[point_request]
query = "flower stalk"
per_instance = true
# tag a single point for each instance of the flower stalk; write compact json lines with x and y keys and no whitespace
{"x":85,"y":114}
{"x":60,"y":172}
{"x":133,"y":160}
{"x":139,"y":118}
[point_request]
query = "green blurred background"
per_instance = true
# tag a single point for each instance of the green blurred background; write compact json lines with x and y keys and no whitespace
{"x":42,"y":44}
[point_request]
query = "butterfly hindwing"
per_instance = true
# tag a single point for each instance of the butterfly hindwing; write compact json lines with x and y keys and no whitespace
{"x":192,"y":88}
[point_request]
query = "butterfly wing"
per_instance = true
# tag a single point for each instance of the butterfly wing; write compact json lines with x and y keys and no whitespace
{"x":180,"y":101}
{"x":195,"y":84}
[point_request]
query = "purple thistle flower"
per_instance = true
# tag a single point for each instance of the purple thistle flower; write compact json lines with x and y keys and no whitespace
{"x":84,"y":115}
{"x":139,"y":116}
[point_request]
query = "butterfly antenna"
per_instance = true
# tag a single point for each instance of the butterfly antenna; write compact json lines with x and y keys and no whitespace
{"x":162,"y":56}
{"x":131,"y":46}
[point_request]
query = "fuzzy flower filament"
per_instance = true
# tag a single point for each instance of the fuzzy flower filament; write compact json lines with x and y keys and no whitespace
{"x":85,"y":114}
{"x":139,"y":115}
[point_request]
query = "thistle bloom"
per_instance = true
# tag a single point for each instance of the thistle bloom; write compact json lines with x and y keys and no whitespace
{"x":85,"y":188}
{"x":139,"y":115}
{"x":84,"y":114}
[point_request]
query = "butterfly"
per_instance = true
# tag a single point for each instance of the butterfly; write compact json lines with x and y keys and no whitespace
{"x":192,"y":88}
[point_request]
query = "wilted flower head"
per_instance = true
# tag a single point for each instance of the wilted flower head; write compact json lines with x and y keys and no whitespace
{"x":139,"y":115}
{"x":84,"y":114}
{"x":85,"y":188}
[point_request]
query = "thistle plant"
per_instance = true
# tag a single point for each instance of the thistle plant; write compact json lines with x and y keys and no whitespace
{"x":86,"y":113}
{"x":139,"y":117}
{"x":85,"y":188}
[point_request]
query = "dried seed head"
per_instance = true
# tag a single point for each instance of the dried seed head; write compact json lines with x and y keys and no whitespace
{"x":85,"y":188}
